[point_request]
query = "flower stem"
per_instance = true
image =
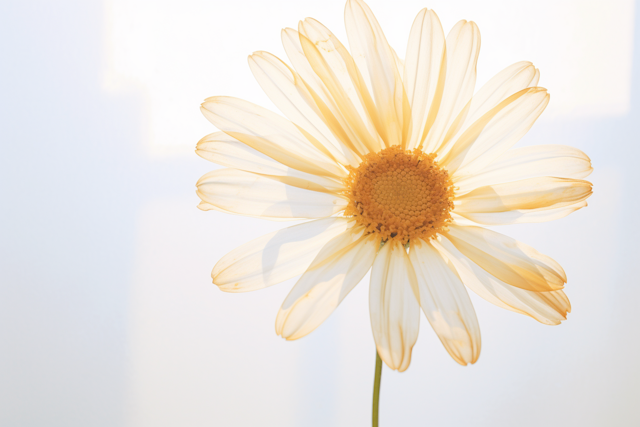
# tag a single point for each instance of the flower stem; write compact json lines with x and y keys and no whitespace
{"x":376,"y":390}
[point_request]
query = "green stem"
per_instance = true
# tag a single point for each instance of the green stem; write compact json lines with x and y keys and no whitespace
{"x":376,"y":390}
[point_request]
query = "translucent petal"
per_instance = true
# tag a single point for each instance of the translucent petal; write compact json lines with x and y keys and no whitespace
{"x":527,"y":195}
{"x":204,"y":206}
{"x":424,"y":73}
{"x":549,"y":308}
{"x":246,"y":193}
{"x":335,"y":67}
{"x":275,"y":257}
{"x":495,"y":132}
{"x":462,"y":49}
{"x":520,"y":216}
{"x":509,"y":81}
{"x":340,"y":115}
{"x":446,"y":304}
{"x":512,"y":79}
{"x":460,"y":220}
{"x":335,"y":271}
{"x":227,"y":151}
{"x":295,"y":53}
{"x":511,"y":261}
{"x":289,"y":93}
{"x":270,"y":134}
{"x":399,"y":62}
{"x":529,"y":162}
{"x":394,"y":310}
{"x":377,"y":62}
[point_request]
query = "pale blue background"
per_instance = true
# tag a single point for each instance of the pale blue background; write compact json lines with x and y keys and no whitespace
{"x":108,"y":317}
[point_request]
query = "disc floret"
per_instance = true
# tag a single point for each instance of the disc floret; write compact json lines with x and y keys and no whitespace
{"x":400,"y":194}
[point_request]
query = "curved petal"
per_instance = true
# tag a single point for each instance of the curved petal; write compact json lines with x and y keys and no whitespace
{"x":460,"y":220}
{"x":377,"y":63}
{"x":446,"y":304}
{"x":424,"y":73}
{"x":462,"y":50}
{"x":512,"y":79}
{"x":204,"y":206}
{"x":335,"y":271}
{"x":495,"y":132}
{"x":507,"y":82}
{"x":346,"y":120}
{"x":524,"y":196}
{"x":331,"y":113}
{"x":515,"y":217}
{"x":293,"y":48}
{"x":270,"y":134}
{"x":227,"y":151}
{"x":399,"y":62}
{"x":549,"y":308}
{"x":275,"y":257}
{"x":519,"y":216}
{"x":557,"y":161}
{"x":335,"y":67}
{"x":246,"y":193}
{"x":394,"y":310}
{"x":289,"y":93}
{"x":511,"y":261}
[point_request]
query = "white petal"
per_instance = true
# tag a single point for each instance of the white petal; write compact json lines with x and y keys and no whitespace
{"x":270,"y":134}
{"x":512,"y":79}
{"x":246,"y":193}
{"x":424,"y":73}
{"x":511,"y":261}
{"x":495,"y":132}
{"x":227,"y":151}
{"x":446,"y":304}
{"x":526,"y":196}
{"x":342,"y":113}
{"x":335,"y":271}
{"x":399,"y":62}
{"x":394,"y":310}
{"x":520,"y":216}
{"x":376,"y":61}
{"x":557,"y":161}
{"x":349,"y":99}
{"x":204,"y":206}
{"x":275,"y":257}
{"x":295,"y":53}
{"x":509,"y":81}
{"x":289,"y":93}
{"x":549,"y":308}
{"x":460,"y":220}
{"x":462,"y":47}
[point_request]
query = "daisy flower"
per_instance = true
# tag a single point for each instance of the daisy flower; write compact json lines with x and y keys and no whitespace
{"x":397,"y":167}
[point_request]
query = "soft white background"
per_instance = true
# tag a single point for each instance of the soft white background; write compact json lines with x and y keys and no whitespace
{"x":107,"y":314}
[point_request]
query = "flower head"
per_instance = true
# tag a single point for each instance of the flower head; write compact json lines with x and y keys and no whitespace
{"x":398,"y":166}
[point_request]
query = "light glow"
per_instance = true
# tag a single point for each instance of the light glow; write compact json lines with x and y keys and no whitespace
{"x":178,"y":56}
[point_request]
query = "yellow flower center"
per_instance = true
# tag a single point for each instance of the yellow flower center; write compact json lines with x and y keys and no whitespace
{"x":400,"y":195}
